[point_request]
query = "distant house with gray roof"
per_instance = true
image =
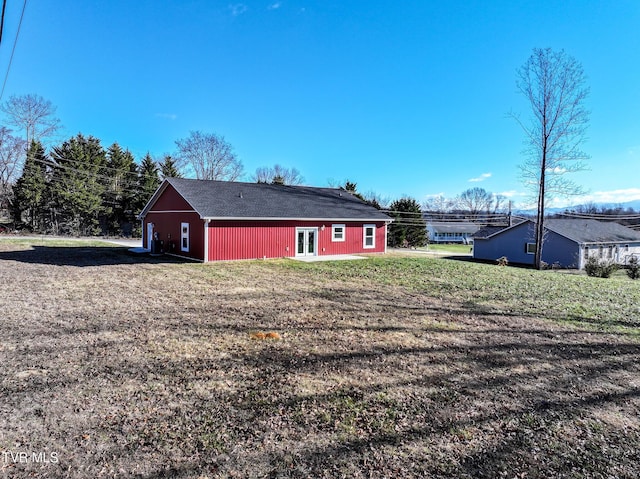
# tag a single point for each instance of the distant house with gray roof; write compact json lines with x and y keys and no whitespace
{"x":220,"y":220}
{"x":568,"y":242}
{"x":451,"y":231}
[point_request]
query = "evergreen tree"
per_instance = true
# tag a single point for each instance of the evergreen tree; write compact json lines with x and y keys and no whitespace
{"x":148,"y":181}
{"x":169,"y":168}
{"x":120,"y":190}
{"x":30,"y":189}
{"x":409,"y":227}
{"x":371,"y":198}
{"x":77,"y":185}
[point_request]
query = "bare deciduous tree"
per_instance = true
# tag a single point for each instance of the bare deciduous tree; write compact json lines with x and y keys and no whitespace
{"x":278,"y":174}
{"x":11,"y":155}
{"x":438,"y":206}
{"x":33,"y":114}
{"x":210,"y":156}
{"x":475,"y":201}
{"x":553,"y":83}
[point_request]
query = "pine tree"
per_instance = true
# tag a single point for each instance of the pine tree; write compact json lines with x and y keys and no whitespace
{"x":409,"y":227}
{"x":30,"y":188}
{"x":169,"y":168}
{"x":148,"y":181}
{"x":77,"y":185}
{"x":122,"y":177}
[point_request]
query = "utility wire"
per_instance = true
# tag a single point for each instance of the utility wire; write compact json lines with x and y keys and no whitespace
{"x":13,"y":50}
{"x":4,"y":8}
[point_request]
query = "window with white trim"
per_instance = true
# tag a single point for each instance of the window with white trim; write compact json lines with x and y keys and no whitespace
{"x":369,"y":233}
{"x":338,"y":233}
{"x":530,"y":248}
{"x":184,"y":237}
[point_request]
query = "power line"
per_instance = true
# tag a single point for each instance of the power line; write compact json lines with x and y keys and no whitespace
{"x":601,"y":216}
{"x":13,"y":50}
{"x":4,"y":8}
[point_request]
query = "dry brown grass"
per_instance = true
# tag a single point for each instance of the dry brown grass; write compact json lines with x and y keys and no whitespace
{"x":130,"y":367}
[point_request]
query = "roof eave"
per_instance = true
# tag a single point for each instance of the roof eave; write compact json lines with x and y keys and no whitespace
{"x":266,"y":218}
{"x":161,"y":189}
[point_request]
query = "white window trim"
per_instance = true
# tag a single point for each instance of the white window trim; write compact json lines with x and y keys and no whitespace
{"x":364,"y":236}
{"x":333,"y":233}
{"x":531,"y":246}
{"x":184,"y":235}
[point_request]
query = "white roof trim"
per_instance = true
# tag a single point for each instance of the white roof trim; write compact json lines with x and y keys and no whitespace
{"x":263,"y":218}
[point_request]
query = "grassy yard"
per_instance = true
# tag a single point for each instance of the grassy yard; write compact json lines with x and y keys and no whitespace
{"x":449,"y":248}
{"x":128,"y":366}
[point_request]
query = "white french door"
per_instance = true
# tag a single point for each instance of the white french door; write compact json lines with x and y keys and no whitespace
{"x":306,"y":241}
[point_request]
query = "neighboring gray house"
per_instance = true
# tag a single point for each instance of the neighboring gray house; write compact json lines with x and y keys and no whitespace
{"x":451,"y":232}
{"x":567,"y":243}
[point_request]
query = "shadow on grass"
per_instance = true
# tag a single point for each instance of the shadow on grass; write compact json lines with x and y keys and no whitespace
{"x":82,"y":256}
{"x":493,"y":396}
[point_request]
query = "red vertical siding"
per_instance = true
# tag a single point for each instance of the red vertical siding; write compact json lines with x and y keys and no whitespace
{"x":230,"y":240}
{"x":167,"y":225}
{"x":171,"y":200}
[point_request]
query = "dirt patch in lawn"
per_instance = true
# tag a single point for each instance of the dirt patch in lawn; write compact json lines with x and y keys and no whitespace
{"x":134,"y":367}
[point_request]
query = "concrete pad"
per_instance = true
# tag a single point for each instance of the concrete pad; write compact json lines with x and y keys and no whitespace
{"x":331,"y":257}
{"x":132,"y":243}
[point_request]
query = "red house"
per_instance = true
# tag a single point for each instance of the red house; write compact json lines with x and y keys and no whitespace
{"x":218,"y":220}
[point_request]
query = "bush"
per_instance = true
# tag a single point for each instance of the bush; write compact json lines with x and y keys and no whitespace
{"x":600,"y":268}
{"x":633,"y":268}
{"x":502,"y":261}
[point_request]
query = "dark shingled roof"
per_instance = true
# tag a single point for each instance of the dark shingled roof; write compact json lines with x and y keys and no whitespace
{"x":454,"y":227}
{"x":226,"y":199}
{"x":489,"y":231}
{"x":579,"y":230}
{"x":592,"y":231}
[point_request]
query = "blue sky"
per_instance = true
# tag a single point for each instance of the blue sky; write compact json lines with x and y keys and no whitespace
{"x":402,"y":97}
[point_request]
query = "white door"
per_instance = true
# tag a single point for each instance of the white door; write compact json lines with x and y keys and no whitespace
{"x":306,"y":241}
{"x":149,"y":235}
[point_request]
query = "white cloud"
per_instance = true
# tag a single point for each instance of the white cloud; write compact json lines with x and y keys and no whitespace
{"x":238,"y":9}
{"x":275,"y":6}
{"x":167,"y":116}
{"x":511,"y":193}
{"x":598,"y":197}
{"x":613,"y":196}
{"x":632,"y":151}
{"x":434,"y":195}
{"x":482,"y":177}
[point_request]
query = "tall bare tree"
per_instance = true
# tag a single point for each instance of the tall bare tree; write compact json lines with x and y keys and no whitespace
{"x":553,"y":83}
{"x":478,"y":201}
{"x":475,"y":201}
{"x":33,"y":114}
{"x":210,"y":156}
{"x":11,"y":153}
{"x":278,"y":174}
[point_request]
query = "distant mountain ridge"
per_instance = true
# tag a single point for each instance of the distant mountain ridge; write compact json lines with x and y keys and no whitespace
{"x":635,"y":205}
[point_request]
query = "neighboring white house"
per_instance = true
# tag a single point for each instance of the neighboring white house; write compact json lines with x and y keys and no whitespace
{"x":451,"y":232}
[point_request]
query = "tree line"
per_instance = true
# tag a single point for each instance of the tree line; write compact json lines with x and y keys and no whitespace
{"x":78,"y":187}
{"x":81,"y":188}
